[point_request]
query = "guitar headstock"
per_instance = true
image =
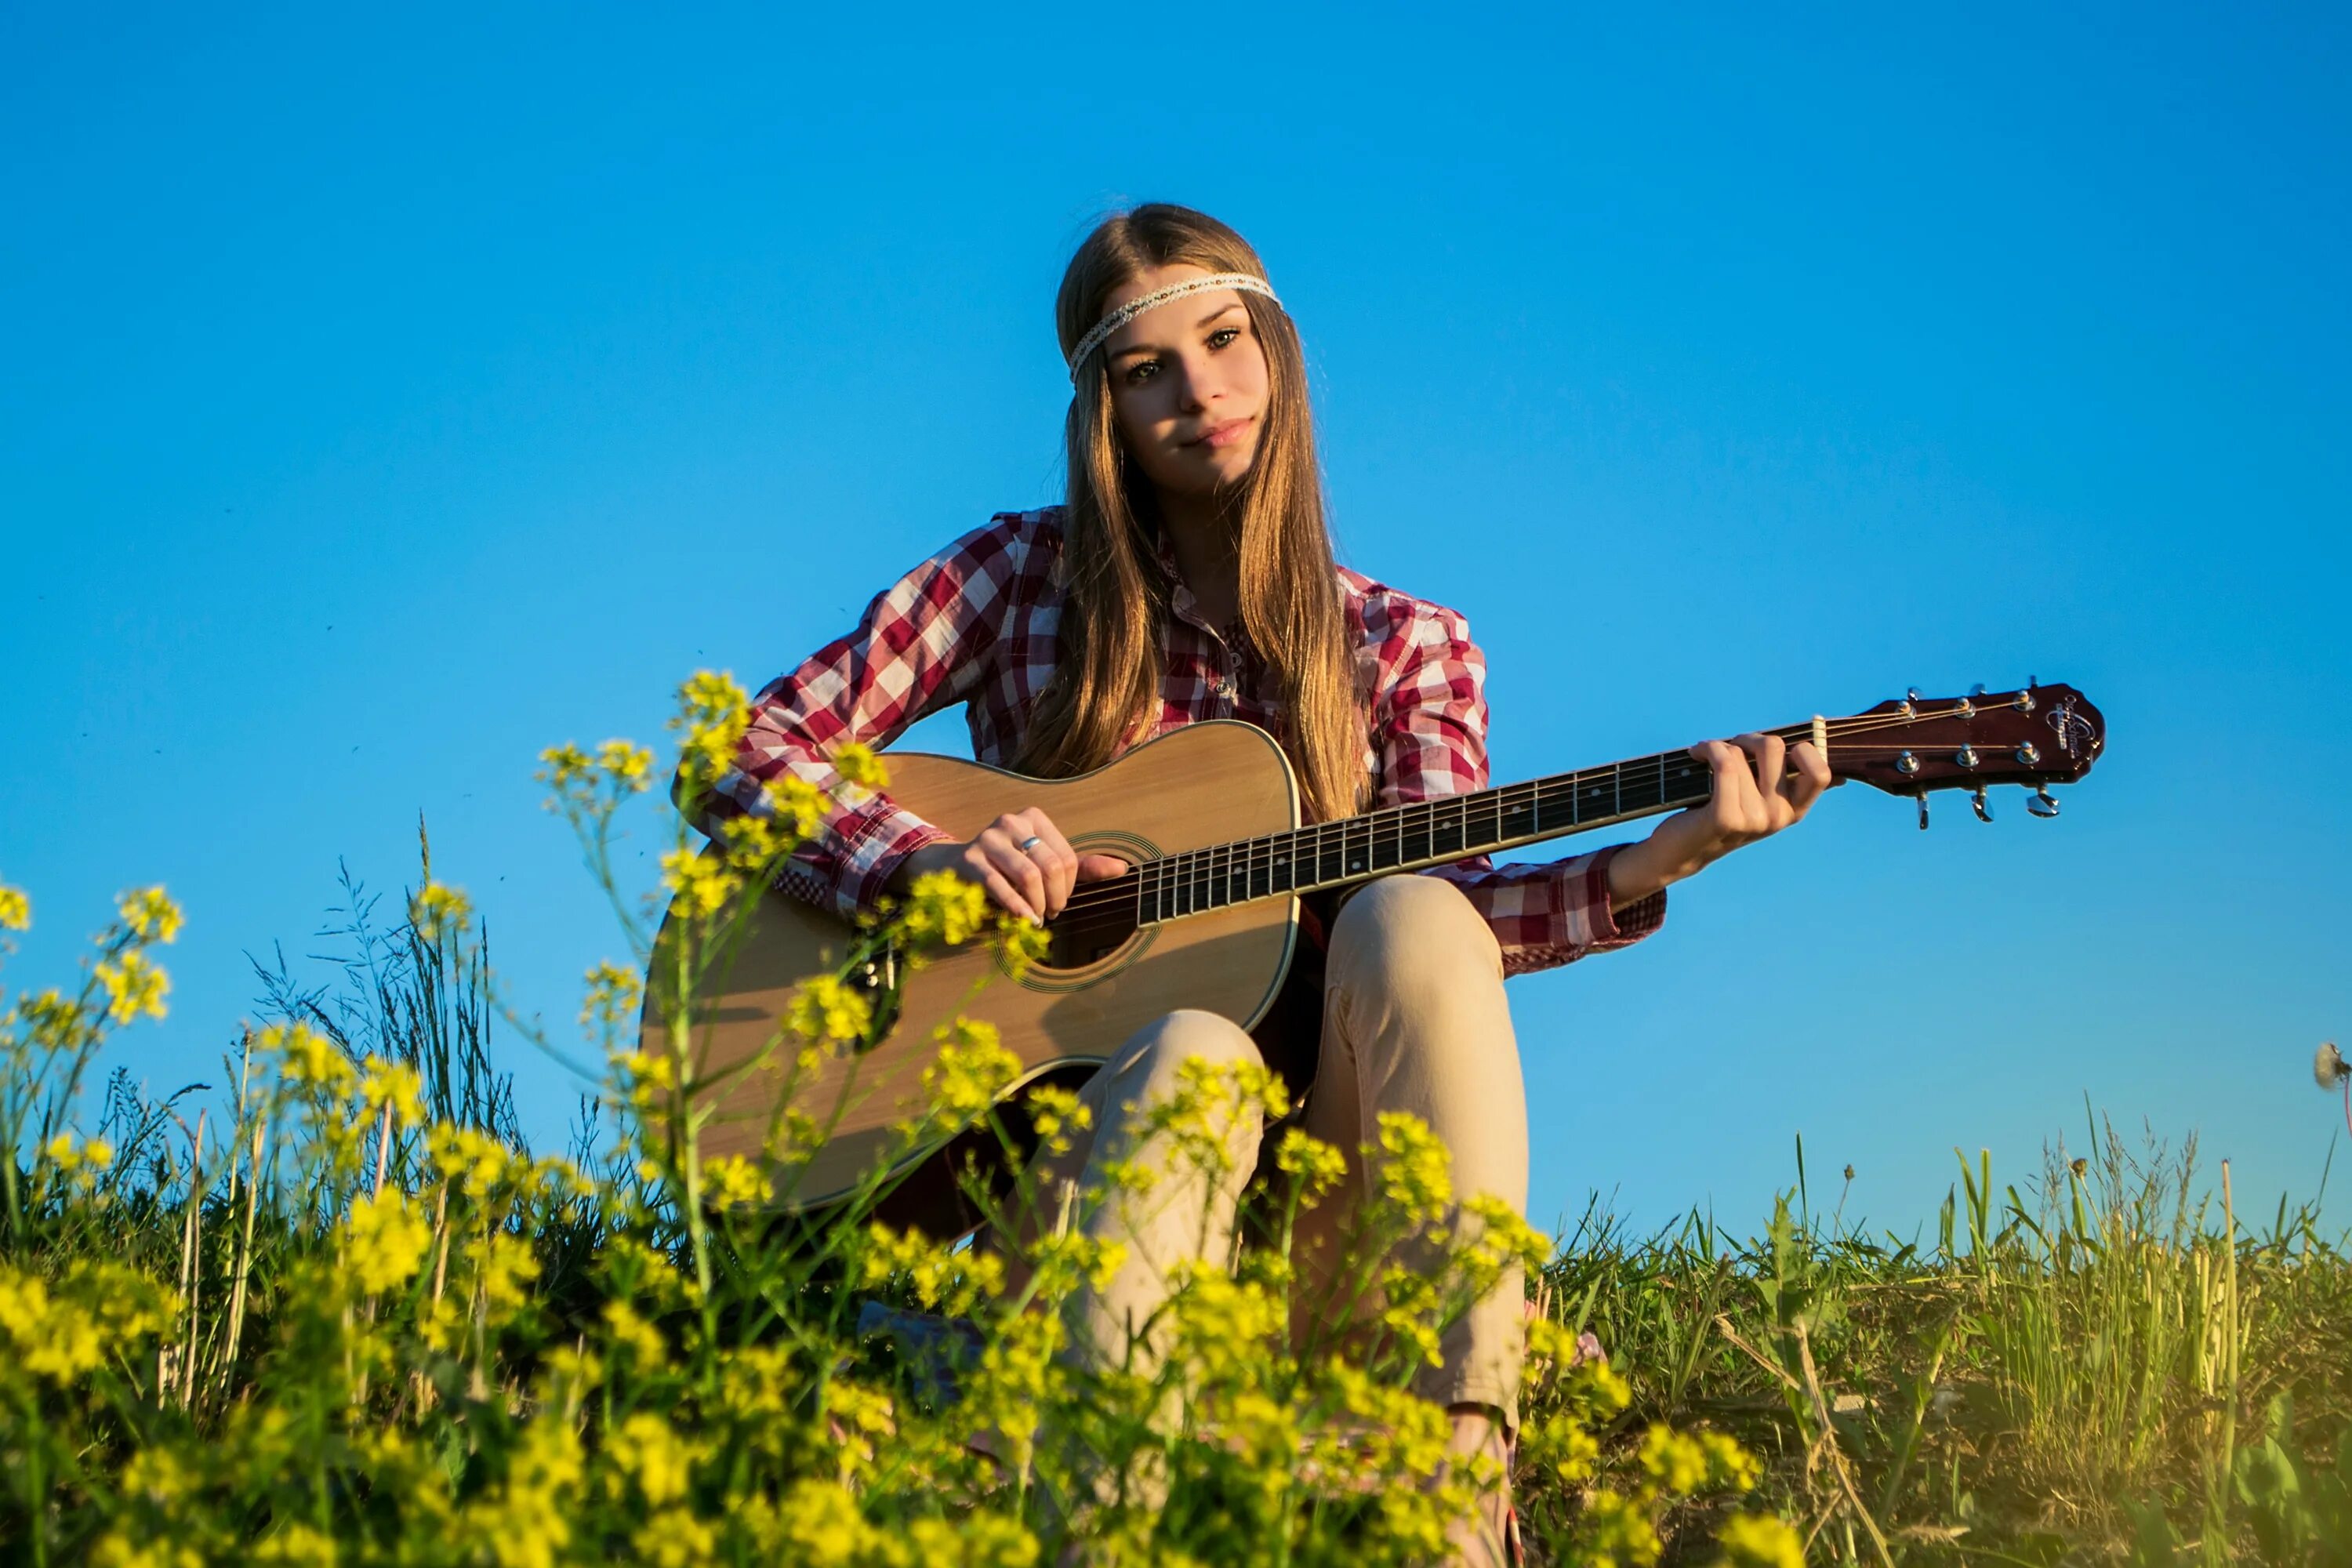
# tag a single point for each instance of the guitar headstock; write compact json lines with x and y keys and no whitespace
{"x":2036,"y":736}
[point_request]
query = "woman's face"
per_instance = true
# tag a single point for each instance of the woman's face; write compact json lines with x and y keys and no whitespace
{"x":1187,"y":385}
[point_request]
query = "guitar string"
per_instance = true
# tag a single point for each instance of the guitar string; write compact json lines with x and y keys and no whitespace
{"x":1204,"y":880}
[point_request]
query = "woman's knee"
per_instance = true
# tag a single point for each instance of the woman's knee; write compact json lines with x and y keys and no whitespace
{"x":1151,"y":1063}
{"x":1415,"y":930}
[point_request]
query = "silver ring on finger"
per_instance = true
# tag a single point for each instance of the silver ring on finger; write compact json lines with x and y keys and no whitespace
{"x":1030,"y":843}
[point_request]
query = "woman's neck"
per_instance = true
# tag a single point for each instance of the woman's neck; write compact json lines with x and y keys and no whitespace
{"x":1204,"y":534}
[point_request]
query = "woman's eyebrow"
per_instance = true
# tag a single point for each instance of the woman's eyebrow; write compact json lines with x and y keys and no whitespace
{"x":1149,"y":348}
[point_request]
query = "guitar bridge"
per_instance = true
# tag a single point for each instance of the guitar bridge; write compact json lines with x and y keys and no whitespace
{"x":878,"y":978}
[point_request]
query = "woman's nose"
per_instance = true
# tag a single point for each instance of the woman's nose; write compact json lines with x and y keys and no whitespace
{"x":1194,"y":385}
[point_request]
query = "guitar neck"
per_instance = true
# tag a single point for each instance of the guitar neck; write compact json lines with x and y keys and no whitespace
{"x":1424,"y":833}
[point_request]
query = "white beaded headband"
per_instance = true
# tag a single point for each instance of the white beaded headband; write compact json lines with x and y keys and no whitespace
{"x":1245,"y":282}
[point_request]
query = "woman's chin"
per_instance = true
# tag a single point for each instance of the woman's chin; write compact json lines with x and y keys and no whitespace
{"x":1227,"y":469}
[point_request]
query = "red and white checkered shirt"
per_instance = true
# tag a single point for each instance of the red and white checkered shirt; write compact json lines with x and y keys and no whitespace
{"x":975,"y":625}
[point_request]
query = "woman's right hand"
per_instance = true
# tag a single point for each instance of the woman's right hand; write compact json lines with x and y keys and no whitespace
{"x":1032,"y":883}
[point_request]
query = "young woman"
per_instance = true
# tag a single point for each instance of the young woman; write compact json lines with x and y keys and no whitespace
{"x":1190,"y":575}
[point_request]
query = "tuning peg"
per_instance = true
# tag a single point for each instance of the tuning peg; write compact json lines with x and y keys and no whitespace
{"x":1977,"y":690}
{"x":1911,"y":694}
{"x":1984,"y":812}
{"x":2042,"y":803}
{"x":1923,"y":811}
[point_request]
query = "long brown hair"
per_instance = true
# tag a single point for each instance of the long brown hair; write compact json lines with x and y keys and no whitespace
{"x":1107,"y":681}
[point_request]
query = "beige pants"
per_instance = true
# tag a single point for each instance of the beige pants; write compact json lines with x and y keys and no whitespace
{"x":1413,"y":1020}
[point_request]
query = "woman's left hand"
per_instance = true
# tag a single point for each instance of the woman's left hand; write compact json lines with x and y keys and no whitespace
{"x":1762,"y":784}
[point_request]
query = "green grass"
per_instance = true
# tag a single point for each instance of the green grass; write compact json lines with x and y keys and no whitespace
{"x":2097,"y":1366}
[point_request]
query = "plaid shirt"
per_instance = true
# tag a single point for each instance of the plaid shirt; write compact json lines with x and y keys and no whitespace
{"x":975,"y":625}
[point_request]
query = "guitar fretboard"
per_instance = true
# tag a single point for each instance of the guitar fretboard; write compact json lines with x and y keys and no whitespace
{"x":1408,"y":838}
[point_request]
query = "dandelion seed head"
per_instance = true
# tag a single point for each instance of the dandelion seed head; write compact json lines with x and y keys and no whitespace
{"x":2327,"y":1065}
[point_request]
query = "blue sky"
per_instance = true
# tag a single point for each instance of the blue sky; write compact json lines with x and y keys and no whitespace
{"x":390,"y":396}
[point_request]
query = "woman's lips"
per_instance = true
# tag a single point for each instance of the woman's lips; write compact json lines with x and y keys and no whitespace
{"x":1223,"y":435}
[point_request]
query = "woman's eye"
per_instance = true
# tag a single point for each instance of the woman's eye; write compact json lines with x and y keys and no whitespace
{"x":1142,"y":370}
{"x":1223,"y":336}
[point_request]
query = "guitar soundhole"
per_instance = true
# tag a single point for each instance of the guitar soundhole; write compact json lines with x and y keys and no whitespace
{"x":1085,"y":933}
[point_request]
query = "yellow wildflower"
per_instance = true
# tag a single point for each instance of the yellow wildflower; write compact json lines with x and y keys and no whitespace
{"x":649,"y":1453}
{"x":629,"y":765}
{"x":62,"y":1333}
{"x":567,"y":1372}
{"x":944,"y":908}
{"x":526,"y":1522}
{"x":674,"y":1538}
{"x":648,"y":1071}
{"x":151,"y":914}
{"x":1729,"y":1466}
{"x":504,"y":1267}
{"x":1618,"y":1531}
{"x":116,"y":1550}
{"x":296,"y":1545}
{"x":984,"y":1539}
{"x":52,"y":1340}
{"x":1020,"y":945}
{"x":440,"y":909}
{"x":443,"y":1325}
{"x":395,"y":1084}
{"x":1320,"y":1166}
{"x":57,"y":1024}
{"x":1054,"y":1111}
{"x":1072,"y":1255}
{"x":16,"y":908}
{"x":972,"y":1070}
{"x":732,"y":1182}
{"x":702,"y":882}
{"x":1416,"y":1176}
{"x":828,"y":1010}
{"x":794,"y":1139}
{"x":753,"y":843}
{"x":944,"y":1278}
{"x":564,"y":766}
{"x":1563,"y":1448}
{"x":387,"y":1241}
{"x":821,"y":1519}
{"x":1225,"y":1324}
{"x":1676,"y":1462}
{"x":713,"y":714}
{"x":1500,"y":1238}
{"x":631,"y":1332}
{"x":468,"y":1156}
{"x":860,"y":767}
{"x":156,"y":1473}
{"x":134,"y":984}
{"x":755,"y":1384}
{"x":1595,"y":1393}
{"x":613,"y":993}
{"x":1759,"y":1540}
{"x":798,"y":806}
{"x":307,"y":1057}
{"x":1411,"y":1310}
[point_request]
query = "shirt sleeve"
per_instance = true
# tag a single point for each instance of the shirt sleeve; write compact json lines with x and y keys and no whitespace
{"x":1429,"y":738}
{"x":922,"y":645}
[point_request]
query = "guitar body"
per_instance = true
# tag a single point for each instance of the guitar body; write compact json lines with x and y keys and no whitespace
{"x":1202,"y":784}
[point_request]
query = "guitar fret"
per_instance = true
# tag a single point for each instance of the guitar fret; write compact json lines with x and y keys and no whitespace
{"x":1418,"y":833}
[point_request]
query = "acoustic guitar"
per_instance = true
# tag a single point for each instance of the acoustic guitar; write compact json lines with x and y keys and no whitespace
{"x":1208,"y":818}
